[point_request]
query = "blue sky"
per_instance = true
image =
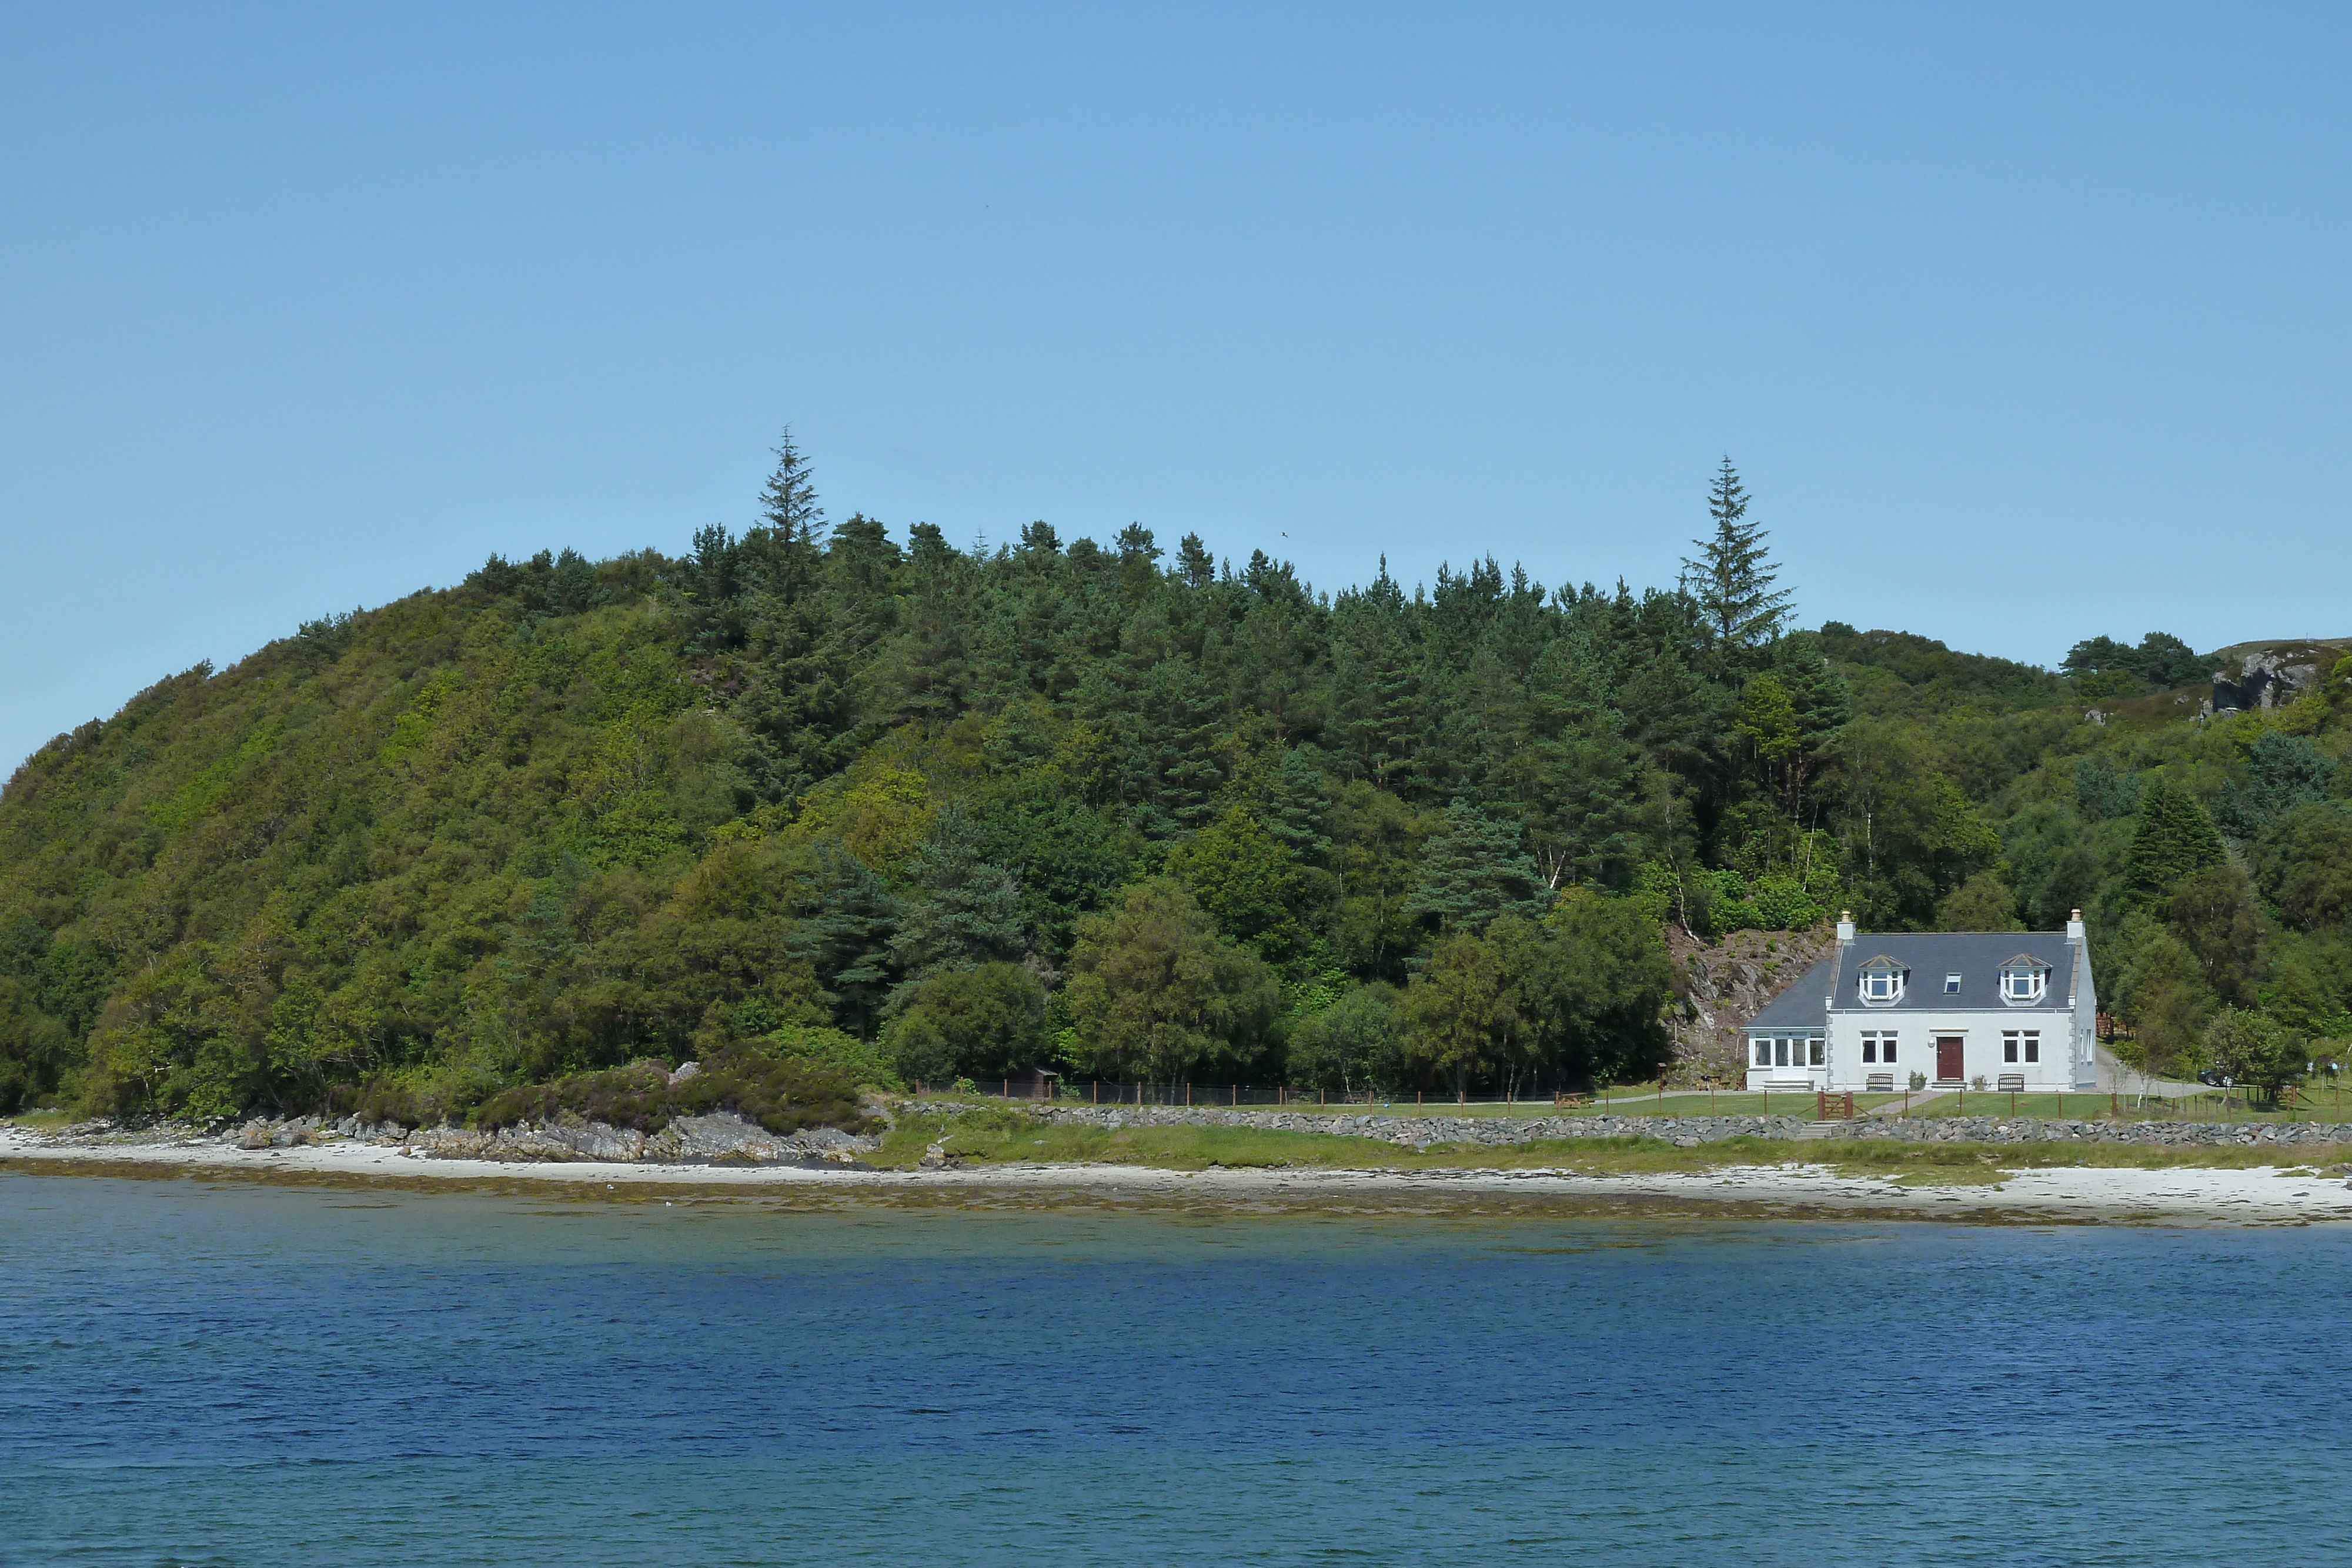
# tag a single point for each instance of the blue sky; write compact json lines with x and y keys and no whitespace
{"x":2023,"y":324}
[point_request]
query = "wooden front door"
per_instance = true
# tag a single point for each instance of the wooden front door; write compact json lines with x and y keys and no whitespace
{"x":1949,"y":1064}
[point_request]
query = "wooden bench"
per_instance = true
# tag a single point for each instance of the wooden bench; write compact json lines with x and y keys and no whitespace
{"x":1879,"y":1084}
{"x":2010,"y":1083}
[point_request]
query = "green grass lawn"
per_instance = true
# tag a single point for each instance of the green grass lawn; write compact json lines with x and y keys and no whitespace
{"x":2214,"y":1106}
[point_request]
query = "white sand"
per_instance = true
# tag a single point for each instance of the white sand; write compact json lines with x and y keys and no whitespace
{"x":2181,"y":1196}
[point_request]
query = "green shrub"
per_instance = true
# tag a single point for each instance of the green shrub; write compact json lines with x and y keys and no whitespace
{"x":989,"y":1020}
{"x":782,"y":1093}
{"x":860,"y":1060}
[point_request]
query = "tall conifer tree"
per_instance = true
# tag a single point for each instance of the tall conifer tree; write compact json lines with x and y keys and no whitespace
{"x":1731,"y":578}
{"x":790,"y":514}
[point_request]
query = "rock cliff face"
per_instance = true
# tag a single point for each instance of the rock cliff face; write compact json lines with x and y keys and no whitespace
{"x":1727,"y":984}
{"x":2272,"y":675}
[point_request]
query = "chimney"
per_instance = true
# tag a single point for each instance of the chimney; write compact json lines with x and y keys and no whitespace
{"x":2074,"y":926}
{"x":1845,"y":924}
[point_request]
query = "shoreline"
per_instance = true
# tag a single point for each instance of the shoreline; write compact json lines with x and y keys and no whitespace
{"x":2051,"y":1195}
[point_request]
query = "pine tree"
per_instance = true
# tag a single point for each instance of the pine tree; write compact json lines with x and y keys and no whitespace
{"x":846,"y":920}
{"x":1731,"y":579}
{"x":785,"y":543}
{"x":1474,"y":871}
{"x":2172,"y":838}
{"x":1194,"y":564}
{"x":969,"y":911}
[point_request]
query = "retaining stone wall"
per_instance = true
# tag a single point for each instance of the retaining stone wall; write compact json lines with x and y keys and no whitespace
{"x":1688,"y":1131}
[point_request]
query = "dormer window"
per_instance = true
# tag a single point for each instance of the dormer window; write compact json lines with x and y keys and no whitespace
{"x":2024,"y":979}
{"x":1881,"y":980}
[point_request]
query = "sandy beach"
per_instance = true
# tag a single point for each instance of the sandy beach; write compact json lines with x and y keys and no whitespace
{"x":2258,"y":1196}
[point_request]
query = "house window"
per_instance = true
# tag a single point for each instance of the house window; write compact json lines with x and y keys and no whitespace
{"x":2020,"y":1045}
{"x":1878,"y":1048}
{"x":1780,"y":1053}
{"x":1951,"y":985}
{"x":1763,"y":1052}
{"x":1820,"y":1054}
{"x":2023,"y":982}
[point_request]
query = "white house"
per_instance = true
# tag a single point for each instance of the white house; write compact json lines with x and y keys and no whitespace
{"x":2013,"y":1010}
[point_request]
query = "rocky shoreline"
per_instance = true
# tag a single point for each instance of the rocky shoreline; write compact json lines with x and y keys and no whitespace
{"x":1684,"y":1132}
{"x":722,"y":1138}
{"x":725,"y":1139}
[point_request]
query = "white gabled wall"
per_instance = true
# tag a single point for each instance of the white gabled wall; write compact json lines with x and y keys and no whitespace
{"x":1980,"y":1030}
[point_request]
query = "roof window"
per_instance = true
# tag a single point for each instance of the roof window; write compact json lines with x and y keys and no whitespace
{"x":1951,"y":985}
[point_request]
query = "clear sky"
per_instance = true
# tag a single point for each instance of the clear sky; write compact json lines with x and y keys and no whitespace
{"x":2023,"y":324}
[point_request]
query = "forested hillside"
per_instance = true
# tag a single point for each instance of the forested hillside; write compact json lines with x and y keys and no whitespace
{"x":891,"y":806}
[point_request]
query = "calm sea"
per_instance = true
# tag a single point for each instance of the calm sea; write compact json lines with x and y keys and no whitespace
{"x":193,"y":1373}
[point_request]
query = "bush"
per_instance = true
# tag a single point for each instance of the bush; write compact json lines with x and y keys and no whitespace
{"x":782,"y":1093}
{"x":1783,"y":904}
{"x":376,"y":1099}
{"x":1357,"y":1040}
{"x":860,"y":1060}
{"x":989,"y":1020}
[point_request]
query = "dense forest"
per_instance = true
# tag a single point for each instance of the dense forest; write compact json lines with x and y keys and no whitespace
{"x":899,"y":810}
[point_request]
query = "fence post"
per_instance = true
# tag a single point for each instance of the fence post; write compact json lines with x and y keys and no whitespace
{"x":1237,"y":1094}
{"x":1187,"y":1097}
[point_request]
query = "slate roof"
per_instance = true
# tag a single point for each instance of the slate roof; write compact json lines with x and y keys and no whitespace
{"x":1976,"y":957}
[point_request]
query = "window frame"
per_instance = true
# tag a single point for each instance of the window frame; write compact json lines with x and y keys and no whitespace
{"x":1890,"y":976}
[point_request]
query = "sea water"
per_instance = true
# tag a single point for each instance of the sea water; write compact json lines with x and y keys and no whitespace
{"x":196,"y":1372}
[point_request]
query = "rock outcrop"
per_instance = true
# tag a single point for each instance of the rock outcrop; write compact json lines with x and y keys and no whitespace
{"x":721,"y":1138}
{"x":1726,"y":983}
{"x":2272,"y":675}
